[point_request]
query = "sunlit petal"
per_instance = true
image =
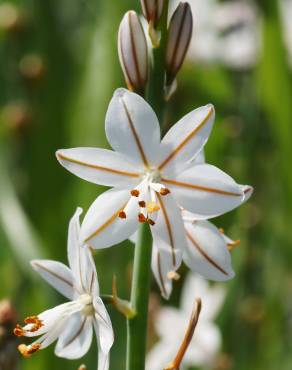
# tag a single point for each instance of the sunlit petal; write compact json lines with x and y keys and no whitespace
{"x":100,"y":166}
{"x":132,"y":127}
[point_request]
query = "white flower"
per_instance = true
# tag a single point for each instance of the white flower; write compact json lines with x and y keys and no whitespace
{"x":207,"y":252}
{"x":171,"y":324}
{"x":72,"y":322}
{"x":150,"y":177}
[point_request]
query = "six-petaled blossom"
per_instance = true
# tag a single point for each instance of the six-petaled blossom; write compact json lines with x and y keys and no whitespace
{"x":71,"y":323}
{"x":171,"y":323}
{"x":207,"y":249}
{"x":150,"y":177}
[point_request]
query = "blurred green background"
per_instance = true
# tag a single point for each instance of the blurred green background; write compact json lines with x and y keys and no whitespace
{"x":58,"y":70}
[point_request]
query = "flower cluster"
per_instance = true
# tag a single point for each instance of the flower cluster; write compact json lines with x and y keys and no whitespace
{"x":162,"y":182}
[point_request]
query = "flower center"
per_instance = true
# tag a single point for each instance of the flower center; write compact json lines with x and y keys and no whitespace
{"x":151,"y":174}
{"x":86,"y":301}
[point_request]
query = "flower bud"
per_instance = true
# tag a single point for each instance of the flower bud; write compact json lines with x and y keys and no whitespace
{"x":133,"y":51}
{"x":152,"y":10}
{"x":179,"y":37}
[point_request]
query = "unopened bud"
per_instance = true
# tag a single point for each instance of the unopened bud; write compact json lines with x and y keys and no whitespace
{"x":133,"y":52}
{"x":152,"y":9}
{"x":179,"y":36}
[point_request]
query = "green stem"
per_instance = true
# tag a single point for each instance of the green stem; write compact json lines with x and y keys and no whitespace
{"x":155,"y":95}
{"x":137,"y":326}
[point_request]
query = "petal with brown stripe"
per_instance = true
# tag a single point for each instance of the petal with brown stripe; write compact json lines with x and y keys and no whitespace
{"x":57,"y":275}
{"x":132,"y":127}
{"x":75,"y":340}
{"x":100,"y":166}
{"x":102,"y":227}
{"x":205,"y":190}
{"x":168,"y":230}
{"x":186,"y":139}
{"x":206,"y":251}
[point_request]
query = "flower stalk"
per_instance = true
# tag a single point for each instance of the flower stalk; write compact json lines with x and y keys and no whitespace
{"x":137,"y":325}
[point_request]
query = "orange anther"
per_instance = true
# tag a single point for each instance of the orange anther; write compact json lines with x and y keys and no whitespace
{"x":150,"y":222}
{"x":122,"y":214}
{"x":142,"y":204}
{"x":142,"y":218}
{"x":18,"y":331}
{"x":27,"y":351}
{"x":164,"y":191}
{"x":135,"y":193}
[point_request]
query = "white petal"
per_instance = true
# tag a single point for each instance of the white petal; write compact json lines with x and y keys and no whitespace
{"x":212,"y":296}
{"x":206,"y":251}
{"x":199,"y":158}
{"x":56,"y":274}
{"x":80,"y":259}
{"x":206,"y":191}
{"x":169,"y":228}
{"x":186,"y":139}
{"x":101,"y":227}
{"x":103,"y":326}
{"x":100,"y":166}
{"x":103,"y":360}
{"x":161,"y":354}
{"x":162,"y":264}
{"x":204,"y":346}
{"x":248,"y":191}
{"x":76,"y":338}
{"x":132,"y":127}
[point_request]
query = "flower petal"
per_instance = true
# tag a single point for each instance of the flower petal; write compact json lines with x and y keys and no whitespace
{"x":162,"y":265}
{"x":207,"y":252}
{"x":103,"y":360}
{"x":132,"y":127}
{"x":80,"y":260}
{"x":57,"y":275}
{"x":103,"y":326}
{"x":186,"y":139}
{"x":206,"y":191}
{"x":212,"y":296}
{"x":102,"y":227}
{"x":76,"y":338}
{"x":100,"y":166}
{"x":169,"y":228}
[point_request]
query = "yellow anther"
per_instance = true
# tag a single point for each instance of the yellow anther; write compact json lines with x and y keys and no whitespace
{"x":173,"y":275}
{"x":152,"y":207}
{"x":233,"y":245}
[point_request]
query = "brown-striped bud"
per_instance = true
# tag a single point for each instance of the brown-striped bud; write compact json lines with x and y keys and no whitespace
{"x":133,"y":52}
{"x":152,"y":9}
{"x":179,"y":36}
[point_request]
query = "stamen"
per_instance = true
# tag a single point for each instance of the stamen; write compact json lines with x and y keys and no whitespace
{"x":173,"y":275}
{"x":142,"y":204}
{"x":135,"y":193}
{"x":152,"y":207}
{"x":27,"y":351}
{"x":122,"y":214}
{"x":233,"y":245}
{"x":150,"y":222}
{"x":175,"y":364}
{"x":221,"y":230}
{"x":18,"y":331}
{"x":164,"y":191}
{"x":142,"y":218}
{"x":37,"y":323}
